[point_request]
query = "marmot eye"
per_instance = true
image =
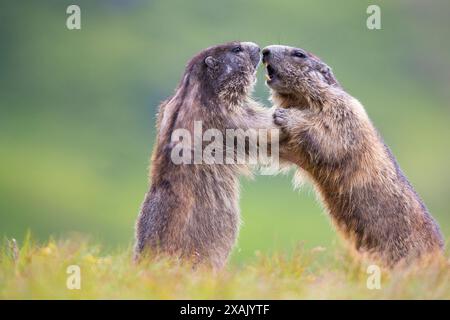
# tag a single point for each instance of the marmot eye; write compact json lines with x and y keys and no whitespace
{"x":237,"y":49}
{"x":299,"y":54}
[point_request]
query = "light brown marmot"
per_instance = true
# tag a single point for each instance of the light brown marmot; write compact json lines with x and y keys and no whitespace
{"x":191,"y":210}
{"x":330,"y":137}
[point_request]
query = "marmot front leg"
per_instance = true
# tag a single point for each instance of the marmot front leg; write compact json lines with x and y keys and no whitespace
{"x":255,"y":117}
{"x":290,"y":121}
{"x":303,"y":135}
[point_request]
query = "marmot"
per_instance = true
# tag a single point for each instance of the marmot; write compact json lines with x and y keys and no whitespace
{"x":191,"y":210}
{"x":330,"y":137}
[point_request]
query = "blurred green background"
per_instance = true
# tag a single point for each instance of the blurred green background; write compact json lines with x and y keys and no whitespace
{"x":77,"y":108}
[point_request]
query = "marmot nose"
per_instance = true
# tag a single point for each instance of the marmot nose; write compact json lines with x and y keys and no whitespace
{"x":273,"y":51}
{"x":253,"y":47}
{"x":265,"y":52}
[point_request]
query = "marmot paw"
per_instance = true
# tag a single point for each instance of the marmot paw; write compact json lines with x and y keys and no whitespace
{"x":280,"y":117}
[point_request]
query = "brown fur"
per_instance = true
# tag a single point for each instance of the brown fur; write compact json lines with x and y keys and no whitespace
{"x":330,"y":137}
{"x":191,"y":210}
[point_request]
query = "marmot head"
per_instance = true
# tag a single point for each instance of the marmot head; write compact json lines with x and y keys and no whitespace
{"x":225,"y":73}
{"x":294,"y":71}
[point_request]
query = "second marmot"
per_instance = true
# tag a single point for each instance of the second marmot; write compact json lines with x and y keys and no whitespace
{"x":330,"y":137}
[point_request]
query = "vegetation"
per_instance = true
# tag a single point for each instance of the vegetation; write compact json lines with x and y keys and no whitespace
{"x":36,"y":271}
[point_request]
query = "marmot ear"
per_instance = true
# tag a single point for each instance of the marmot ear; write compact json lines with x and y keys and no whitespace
{"x":211,"y":62}
{"x":328,"y":75}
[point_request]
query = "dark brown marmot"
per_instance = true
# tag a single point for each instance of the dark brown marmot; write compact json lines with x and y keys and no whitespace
{"x":191,"y":210}
{"x":330,"y":137}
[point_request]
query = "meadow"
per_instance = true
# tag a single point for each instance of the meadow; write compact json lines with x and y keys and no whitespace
{"x":41,"y":271}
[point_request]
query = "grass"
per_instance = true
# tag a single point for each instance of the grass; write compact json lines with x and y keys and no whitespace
{"x":39,"y":271}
